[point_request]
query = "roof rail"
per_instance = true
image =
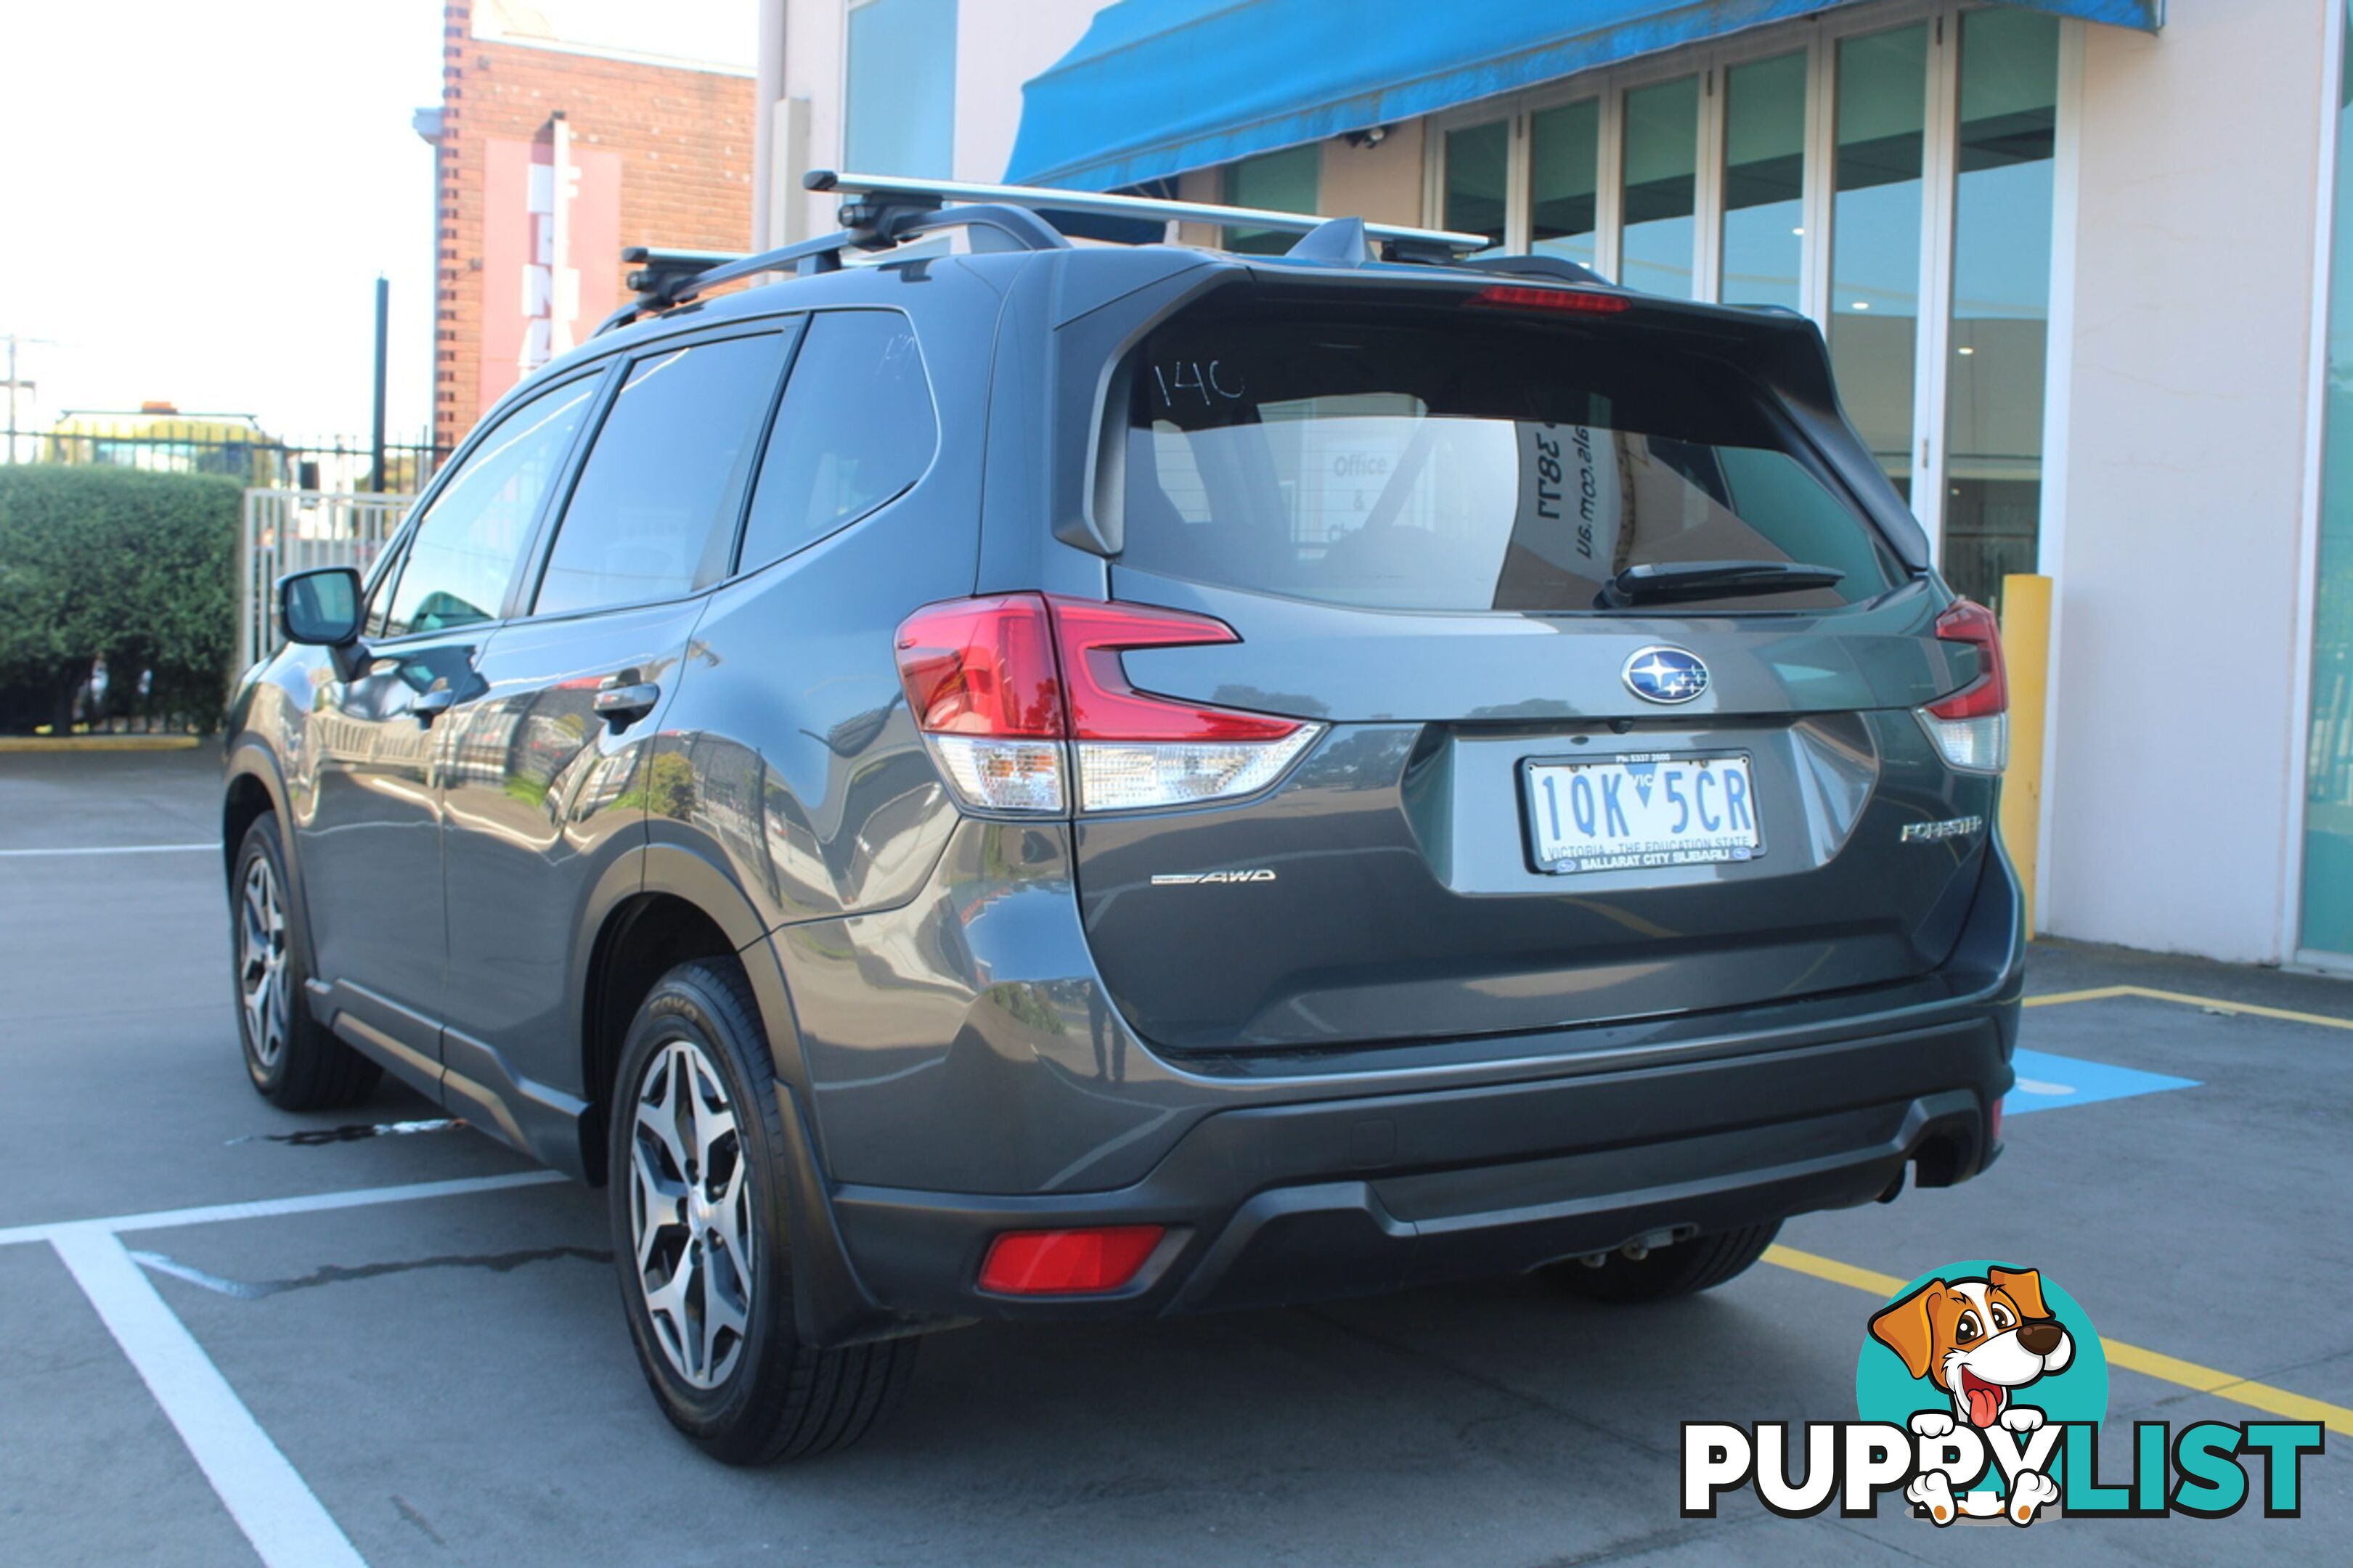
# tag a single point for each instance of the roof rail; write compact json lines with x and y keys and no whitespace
{"x":1097,"y":204}
{"x":886,"y":210}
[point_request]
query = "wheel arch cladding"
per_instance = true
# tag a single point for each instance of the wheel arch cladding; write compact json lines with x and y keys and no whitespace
{"x":643,"y":939}
{"x":252,"y":790}
{"x":245,"y":800}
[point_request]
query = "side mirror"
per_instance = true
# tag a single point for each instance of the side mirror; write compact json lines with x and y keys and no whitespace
{"x":321,"y":609}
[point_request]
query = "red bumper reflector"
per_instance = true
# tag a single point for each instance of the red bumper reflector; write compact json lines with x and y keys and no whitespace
{"x":1993,"y":1122}
{"x":1067,"y":1262}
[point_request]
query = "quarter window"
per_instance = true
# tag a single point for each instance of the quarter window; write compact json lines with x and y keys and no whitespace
{"x":464,"y":551}
{"x":855,"y":430}
{"x":662,"y":483}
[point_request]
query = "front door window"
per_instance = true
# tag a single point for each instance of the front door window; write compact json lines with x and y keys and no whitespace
{"x":463,"y":554}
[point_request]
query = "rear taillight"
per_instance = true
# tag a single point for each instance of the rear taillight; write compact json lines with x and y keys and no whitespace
{"x":1971,"y":727}
{"x":1013,"y":692}
{"x":1135,"y":750}
{"x":981,"y":682}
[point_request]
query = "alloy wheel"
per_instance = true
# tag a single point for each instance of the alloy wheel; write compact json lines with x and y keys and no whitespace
{"x":261,"y":962}
{"x":691,"y":1213}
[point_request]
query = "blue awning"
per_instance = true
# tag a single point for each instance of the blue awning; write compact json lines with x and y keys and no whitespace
{"x":1157,"y":87}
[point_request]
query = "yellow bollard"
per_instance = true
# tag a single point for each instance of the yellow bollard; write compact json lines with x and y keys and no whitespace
{"x":2026,"y":653}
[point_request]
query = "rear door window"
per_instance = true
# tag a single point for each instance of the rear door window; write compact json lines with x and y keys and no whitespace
{"x":1477,"y":466}
{"x":655,"y":508}
{"x":856,"y":429}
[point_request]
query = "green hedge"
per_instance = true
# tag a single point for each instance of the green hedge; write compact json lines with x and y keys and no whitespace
{"x":139,"y":567}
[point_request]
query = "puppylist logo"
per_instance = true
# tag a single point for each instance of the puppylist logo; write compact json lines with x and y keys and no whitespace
{"x":1981,"y":1388}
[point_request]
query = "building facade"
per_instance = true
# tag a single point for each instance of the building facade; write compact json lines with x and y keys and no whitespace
{"x":2073,"y":258}
{"x":562,"y":136}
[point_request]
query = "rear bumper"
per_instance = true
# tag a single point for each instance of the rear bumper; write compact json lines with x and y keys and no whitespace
{"x":1305,"y":1185}
{"x":1288,"y":1202}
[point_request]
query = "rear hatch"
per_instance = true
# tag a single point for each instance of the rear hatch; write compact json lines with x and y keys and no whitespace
{"x":1555,"y":783}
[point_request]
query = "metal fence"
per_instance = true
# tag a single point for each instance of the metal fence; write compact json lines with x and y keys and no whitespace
{"x":294,"y":531}
{"x":335,"y":464}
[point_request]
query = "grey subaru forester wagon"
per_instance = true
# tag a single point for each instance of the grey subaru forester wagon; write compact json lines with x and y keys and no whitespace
{"x":995,"y":772}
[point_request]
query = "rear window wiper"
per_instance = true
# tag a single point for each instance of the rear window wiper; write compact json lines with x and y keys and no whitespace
{"x":1669,"y":582}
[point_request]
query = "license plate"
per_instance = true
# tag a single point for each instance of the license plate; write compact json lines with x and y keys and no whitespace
{"x":1643,"y":811}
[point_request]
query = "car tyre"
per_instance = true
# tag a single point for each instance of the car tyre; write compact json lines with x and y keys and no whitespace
{"x":700,"y":1187}
{"x":1687,"y":1266}
{"x":294,"y":1061}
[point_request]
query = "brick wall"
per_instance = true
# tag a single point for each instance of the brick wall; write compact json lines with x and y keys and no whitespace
{"x":684,"y":138}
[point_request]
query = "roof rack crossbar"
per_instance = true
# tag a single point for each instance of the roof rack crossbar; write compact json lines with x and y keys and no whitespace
{"x":1100,"y":205}
{"x":884,"y":210}
{"x":668,"y":277}
{"x":777,"y":260}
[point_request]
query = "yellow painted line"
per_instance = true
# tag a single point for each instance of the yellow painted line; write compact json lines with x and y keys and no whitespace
{"x":2054,"y":998}
{"x":96,"y":742}
{"x":2132,"y":1358}
{"x":2248,"y":1008}
{"x":1836,"y":1273}
{"x":2184,"y":999}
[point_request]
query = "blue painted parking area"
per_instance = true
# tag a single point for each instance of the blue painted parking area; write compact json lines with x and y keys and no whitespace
{"x":2046,"y":1082}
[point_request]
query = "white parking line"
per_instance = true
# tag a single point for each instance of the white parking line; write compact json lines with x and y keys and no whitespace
{"x":284,"y":1519}
{"x":280,"y":1515}
{"x":264,"y":1208}
{"x":110,"y":849}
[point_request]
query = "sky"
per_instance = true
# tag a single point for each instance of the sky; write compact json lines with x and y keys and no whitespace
{"x":197,"y":199}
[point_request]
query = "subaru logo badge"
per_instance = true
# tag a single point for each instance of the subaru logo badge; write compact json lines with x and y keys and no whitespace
{"x":1663,"y":674}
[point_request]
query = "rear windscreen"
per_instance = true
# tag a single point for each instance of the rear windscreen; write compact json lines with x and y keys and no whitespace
{"x":1484,"y":464}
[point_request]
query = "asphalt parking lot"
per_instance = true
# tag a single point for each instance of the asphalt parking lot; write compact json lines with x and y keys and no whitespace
{"x":448,"y":1377}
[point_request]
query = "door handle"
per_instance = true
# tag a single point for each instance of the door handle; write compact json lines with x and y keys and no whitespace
{"x":430,"y":705}
{"x":622,"y":705}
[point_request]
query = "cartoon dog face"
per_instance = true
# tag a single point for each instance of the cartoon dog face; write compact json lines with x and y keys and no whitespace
{"x":1978,"y":1339}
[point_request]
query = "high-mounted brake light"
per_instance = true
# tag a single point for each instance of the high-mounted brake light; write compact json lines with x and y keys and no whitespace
{"x":1971,"y":726}
{"x":1575,"y":301}
{"x":1011,"y":691}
